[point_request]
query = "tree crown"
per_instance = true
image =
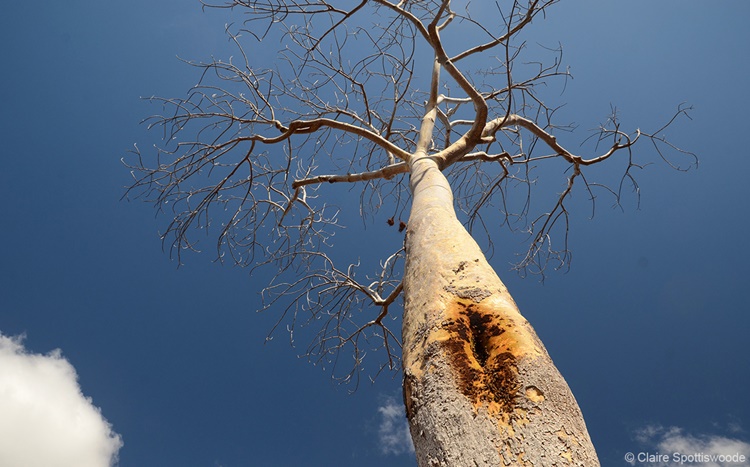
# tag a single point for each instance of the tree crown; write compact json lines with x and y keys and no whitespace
{"x":355,"y":92}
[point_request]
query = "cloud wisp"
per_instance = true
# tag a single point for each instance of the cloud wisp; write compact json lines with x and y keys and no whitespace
{"x":673,"y":446}
{"x":393,"y":430}
{"x":46,"y":420}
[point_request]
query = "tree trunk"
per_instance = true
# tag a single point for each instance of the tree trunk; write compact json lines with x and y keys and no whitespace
{"x":479,"y":386}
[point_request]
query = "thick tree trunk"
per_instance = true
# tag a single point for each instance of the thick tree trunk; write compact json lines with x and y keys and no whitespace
{"x":479,"y":386}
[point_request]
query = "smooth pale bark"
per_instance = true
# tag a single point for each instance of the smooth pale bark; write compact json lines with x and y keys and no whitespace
{"x":479,"y":386}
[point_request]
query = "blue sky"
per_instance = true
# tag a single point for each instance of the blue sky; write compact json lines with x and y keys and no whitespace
{"x":649,"y":327}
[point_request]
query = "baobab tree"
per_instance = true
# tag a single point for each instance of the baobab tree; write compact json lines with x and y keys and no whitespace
{"x":427,"y":107}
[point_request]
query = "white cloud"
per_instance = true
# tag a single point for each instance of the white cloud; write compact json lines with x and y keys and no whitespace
{"x":393,"y":431}
{"x":46,"y":421}
{"x":684,"y":449}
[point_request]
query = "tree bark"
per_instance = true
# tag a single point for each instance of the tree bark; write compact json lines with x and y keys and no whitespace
{"x":479,"y":386}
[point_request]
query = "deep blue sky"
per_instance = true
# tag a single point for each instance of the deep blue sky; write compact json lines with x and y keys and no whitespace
{"x":649,"y":327}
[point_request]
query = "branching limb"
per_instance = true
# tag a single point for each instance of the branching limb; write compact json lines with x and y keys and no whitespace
{"x":386,"y":173}
{"x":338,"y":305}
{"x":551,"y":140}
{"x":301,"y":127}
{"x":541,"y":250}
{"x":532,"y":10}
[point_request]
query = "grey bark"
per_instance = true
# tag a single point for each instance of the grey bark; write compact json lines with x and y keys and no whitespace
{"x":479,"y":387}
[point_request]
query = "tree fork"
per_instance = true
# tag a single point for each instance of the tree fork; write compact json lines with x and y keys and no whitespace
{"x":479,"y":386}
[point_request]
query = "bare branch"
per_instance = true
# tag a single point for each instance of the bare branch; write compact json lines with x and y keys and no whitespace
{"x":387,"y":173}
{"x":532,"y":10}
